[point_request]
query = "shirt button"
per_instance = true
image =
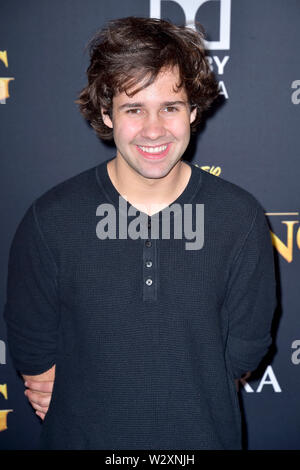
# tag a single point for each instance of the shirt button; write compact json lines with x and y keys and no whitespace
{"x":148,"y":264}
{"x":149,"y":282}
{"x":148,"y":243}
{"x":149,"y":223}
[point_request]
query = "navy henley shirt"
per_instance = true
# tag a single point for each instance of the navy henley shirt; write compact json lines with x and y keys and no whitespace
{"x":147,"y":336}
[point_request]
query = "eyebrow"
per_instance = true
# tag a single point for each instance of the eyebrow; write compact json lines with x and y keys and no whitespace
{"x":141,"y":105}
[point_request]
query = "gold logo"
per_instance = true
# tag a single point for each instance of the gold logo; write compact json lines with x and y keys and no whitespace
{"x":4,"y":81}
{"x":3,"y":58}
{"x":214,"y":170}
{"x":286,"y":248}
{"x":3,"y":413}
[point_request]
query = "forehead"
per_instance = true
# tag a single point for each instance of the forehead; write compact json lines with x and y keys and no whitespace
{"x":164,"y":88}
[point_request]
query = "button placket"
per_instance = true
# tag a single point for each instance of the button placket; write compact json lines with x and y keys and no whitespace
{"x":149,"y":267}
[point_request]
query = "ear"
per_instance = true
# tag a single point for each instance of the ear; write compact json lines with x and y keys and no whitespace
{"x":106,"y":119}
{"x":193,"y":115}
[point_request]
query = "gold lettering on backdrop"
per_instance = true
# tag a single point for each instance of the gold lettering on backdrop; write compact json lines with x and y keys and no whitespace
{"x":4,"y":81}
{"x":214,"y":170}
{"x":3,"y":390}
{"x":3,"y":58}
{"x":3,"y":413}
{"x":3,"y":419}
{"x":4,"y":91}
{"x":286,"y":249}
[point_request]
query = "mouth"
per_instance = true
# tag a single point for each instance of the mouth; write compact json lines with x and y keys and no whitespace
{"x":154,"y":153}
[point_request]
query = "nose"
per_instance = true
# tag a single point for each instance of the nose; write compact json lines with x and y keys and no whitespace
{"x":153,"y":127}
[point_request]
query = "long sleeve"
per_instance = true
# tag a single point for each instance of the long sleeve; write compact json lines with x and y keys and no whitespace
{"x":251,"y":298}
{"x":32,"y":308}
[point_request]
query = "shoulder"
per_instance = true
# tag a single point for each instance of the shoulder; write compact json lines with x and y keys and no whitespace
{"x":62,"y":207}
{"x":227,"y":198}
{"x":54,"y":211}
{"x":74,"y":189}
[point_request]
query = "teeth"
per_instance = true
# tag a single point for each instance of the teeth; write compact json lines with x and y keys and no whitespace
{"x":160,"y":149}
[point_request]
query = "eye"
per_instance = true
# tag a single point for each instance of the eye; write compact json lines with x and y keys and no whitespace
{"x":171,"y":109}
{"x":133,"y":111}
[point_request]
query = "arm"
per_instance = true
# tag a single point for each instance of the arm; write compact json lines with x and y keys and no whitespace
{"x":251,"y":299}
{"x":39,"y":390}
{"x":32,"y":312}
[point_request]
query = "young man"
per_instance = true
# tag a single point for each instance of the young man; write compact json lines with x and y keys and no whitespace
{"x":143,"y":331}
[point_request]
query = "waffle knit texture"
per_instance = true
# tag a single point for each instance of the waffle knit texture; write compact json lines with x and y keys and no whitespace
{"x":140,"y":366}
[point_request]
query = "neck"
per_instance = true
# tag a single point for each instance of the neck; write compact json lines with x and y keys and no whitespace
{"x":149,"y":195}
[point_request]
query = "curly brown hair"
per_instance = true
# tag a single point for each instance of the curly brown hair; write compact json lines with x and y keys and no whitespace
{"x":131,"y":51}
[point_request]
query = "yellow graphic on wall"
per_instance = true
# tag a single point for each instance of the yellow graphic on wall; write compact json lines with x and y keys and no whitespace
{"x":3,"y":419}
{"x":3,"y":58}
{"x":4,"y":81}
{"x":3,"y":413}
{"x":214,"y":170}
{"x":286,"y":249}
{"x":4,"y":90}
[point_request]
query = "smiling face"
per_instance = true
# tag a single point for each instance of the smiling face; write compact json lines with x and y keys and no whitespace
{"x":152,"y":128}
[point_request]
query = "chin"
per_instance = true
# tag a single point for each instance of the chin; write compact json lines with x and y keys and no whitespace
{"x":154,"y":173}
